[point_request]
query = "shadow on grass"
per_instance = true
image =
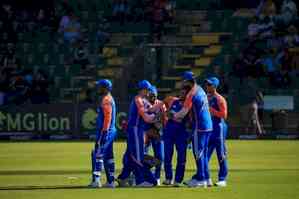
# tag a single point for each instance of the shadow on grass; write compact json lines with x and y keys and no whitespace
{"x":28,"y":188}
{"x":68,"y":187}
{"x":74,"y":172}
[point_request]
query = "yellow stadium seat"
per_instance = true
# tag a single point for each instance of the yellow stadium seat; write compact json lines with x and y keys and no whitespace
{"x":198,"y":71}
{"x":108,"y":72}
{"x":294,"y":50}
{"x":186,"y":67}
{"x":190,"y":56}
{"x":213,"y":50}
{"x":204,"y":61}
{"x":171,"y":78}
{"x":115,"y":61}
{"x":205,"y":39}
{"x":109,"y":52}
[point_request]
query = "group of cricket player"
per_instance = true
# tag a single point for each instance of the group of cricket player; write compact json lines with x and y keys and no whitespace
{"x":195,"y":117}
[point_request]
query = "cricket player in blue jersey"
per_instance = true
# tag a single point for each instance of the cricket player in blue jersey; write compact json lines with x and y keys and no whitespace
{"x":218,"y":110}
{"x":155,"y":142}
{"x":197,"y":103}
{"x":134,"y":156}
{"x":102,"y":155}
{"x":175,"y":135}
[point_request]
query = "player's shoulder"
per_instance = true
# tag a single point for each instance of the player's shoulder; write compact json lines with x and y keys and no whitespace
{"x":139,"y":100}
{"x":220,"y":97}
{"x":138,"y":97}
{"x":169,"y":100}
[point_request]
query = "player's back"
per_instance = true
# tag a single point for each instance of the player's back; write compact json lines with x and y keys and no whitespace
{"x":135,"y":120}
{"x":200,"y":111}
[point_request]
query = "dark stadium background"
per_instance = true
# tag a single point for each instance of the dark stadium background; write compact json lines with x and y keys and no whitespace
{"x":47,"y":76}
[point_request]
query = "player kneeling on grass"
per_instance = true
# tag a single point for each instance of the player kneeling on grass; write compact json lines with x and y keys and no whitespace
{"x":134,"y":156}
{"x":154,"y":131}
{"x":102,"y":155}
{"x":175,"y":135}
{"x":218,"y":110}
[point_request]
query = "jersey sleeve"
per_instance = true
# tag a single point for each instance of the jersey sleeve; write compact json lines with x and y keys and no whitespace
{"x":168,"y":101}
{"x":188,"y":101}
{"x":222,"y":104}
{"x":107,"y":111}
{"x":163,"y":108}
{"x":164,"y":113}
{"x":142,"y":112}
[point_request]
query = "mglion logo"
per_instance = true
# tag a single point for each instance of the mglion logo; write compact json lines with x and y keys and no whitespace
{"x":32,"y":122}
{"x":89,"y":119}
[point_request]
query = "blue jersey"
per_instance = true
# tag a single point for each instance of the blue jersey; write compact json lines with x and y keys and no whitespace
{"x":175,"y":106}
{"x":106,"y":114}
{"x":137,"y":113}
{"x":197,"y":101}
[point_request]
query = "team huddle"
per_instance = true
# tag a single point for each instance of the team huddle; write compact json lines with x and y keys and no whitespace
{"x":194,"y":117}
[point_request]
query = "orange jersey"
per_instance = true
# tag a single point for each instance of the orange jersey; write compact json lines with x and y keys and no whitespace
{"x":218,"y":107}
{"x":106,"y":114}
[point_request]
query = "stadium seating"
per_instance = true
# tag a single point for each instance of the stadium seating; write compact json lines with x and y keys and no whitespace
{"x":201,"y":38}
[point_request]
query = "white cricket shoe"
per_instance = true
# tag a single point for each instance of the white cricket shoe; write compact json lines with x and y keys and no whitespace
{"x":167,"y":182}
{"x":145,"y":185}
{"x":95,"y":184}
{"x":221,"y":183}
{"x":203,"y":184}
{"x":196,"y":183}
{"x":209,"y":182}
{"x":109,"y":185}
{"x":158,"y":182}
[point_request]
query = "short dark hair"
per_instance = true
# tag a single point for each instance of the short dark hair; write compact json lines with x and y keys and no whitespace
{"x":192,"y":81}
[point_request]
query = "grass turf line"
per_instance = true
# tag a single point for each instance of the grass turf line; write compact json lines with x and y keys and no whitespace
{"x":258,"y":169}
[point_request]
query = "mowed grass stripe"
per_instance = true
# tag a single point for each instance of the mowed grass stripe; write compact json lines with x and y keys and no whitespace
{"x":258,"y":169}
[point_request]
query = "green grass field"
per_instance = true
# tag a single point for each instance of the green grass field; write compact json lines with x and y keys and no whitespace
{"x":258,"y":169}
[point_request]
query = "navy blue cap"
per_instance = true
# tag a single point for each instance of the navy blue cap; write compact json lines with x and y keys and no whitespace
{"x":153,"y":90}
{"x":188,"y":75}
{"x":144,"y":84}
{"x":104,"y":83}
{"x":214,"y":81}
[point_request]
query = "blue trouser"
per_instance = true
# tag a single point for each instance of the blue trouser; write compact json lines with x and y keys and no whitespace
{"x":102,"y":156}
{"x":128,"y":165}
{"x":133,"y":158}
{"x":158,"y":149}
{"x":200,"y":151}
{"x":217,"y":141}
{"x":178,"y":137}
{"x":127,"y":168}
